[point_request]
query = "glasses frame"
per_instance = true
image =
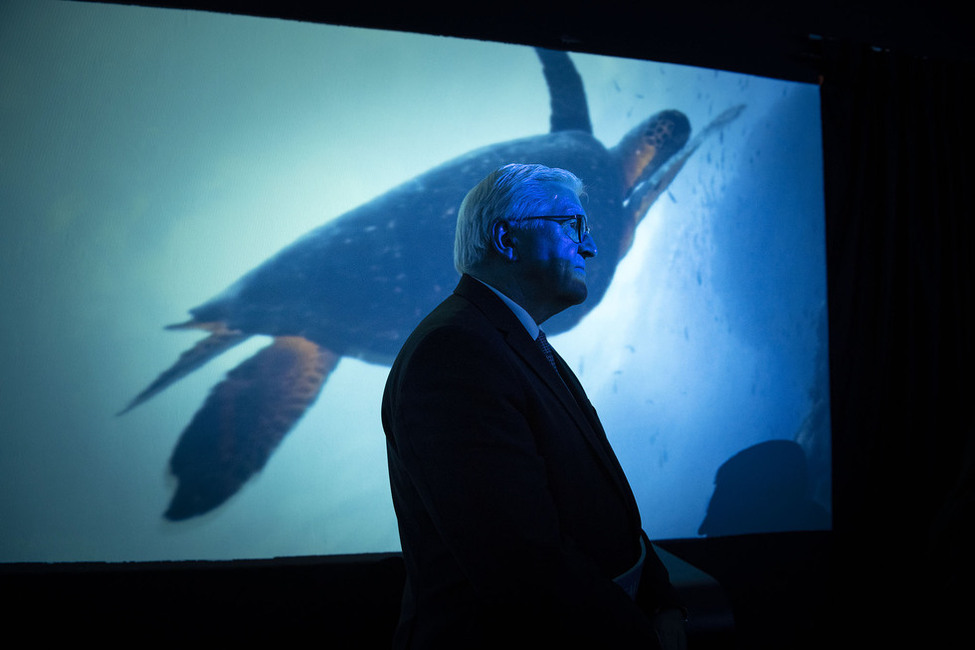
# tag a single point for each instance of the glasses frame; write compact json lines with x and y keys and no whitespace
{"x":581,"y":224}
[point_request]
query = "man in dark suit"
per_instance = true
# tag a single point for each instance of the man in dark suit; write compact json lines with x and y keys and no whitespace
{"x":518,"y":526}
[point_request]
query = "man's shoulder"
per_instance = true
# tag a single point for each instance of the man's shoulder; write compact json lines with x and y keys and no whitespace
{"x":470,"y":326}
{"x":455,"y":320}
{"x":471,"y":305}
{"x":456,"y":341}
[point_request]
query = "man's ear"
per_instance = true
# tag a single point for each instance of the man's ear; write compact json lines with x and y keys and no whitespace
{"x":502,"y":241}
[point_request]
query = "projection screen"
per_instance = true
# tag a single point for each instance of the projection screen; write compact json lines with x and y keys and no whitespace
{"x":150,"y":158}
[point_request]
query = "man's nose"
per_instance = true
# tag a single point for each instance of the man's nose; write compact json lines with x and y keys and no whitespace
{"x":587,"y":247}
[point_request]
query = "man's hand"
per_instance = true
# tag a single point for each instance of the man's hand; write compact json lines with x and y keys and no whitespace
{"x":669,"y":625}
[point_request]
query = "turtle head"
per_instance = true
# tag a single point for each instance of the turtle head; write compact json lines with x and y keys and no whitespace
{"x":649,"y":145}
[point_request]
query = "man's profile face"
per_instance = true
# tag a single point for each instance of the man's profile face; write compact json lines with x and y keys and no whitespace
{"x":549,"y":260}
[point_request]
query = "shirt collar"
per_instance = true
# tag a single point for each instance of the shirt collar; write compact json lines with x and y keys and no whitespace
{"x":518,"y":310}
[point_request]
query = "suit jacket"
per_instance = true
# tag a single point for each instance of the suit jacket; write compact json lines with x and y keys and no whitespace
{"x":514,"y":513}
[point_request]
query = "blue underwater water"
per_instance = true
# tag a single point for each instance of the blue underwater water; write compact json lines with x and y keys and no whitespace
{"x":149,"y":158}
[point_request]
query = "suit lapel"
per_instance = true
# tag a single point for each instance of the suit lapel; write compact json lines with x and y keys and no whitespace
{"x":528,"y":350}
{"x":523,"y":345}
{"x":566,"y":387}
{"x":598,"y":437}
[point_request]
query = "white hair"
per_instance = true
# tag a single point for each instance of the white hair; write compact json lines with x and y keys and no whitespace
{"x":508,"y":193}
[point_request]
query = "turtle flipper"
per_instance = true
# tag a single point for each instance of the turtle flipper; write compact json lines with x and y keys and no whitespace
{"x":570,"y":109}
{"x":220,"y":340}
{"x":242,"y":421}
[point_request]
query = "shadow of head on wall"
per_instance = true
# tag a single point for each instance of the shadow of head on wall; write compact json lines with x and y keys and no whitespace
{"x":763,"y":489}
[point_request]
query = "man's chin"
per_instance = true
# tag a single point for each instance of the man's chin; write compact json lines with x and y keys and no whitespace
{"x":578,"y":293}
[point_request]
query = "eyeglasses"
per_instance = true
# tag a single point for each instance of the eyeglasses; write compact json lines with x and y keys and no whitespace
{"x":579,"y":222}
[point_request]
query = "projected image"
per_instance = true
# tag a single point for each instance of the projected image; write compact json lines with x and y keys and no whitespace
{"x":283,"y":195}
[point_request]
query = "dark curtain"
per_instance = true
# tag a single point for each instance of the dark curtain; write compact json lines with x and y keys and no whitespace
{"x":899,"y":146}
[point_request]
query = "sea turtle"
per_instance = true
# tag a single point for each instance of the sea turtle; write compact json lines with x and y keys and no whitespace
{"x":358,"y":285}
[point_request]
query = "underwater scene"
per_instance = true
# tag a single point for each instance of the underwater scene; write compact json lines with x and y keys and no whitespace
{"x":294,"y":185}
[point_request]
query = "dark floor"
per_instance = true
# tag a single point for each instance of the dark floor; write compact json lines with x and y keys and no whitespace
{"x":754,"y":591}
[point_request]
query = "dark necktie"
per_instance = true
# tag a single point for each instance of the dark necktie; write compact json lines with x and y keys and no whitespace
{"x":546,"y":349}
